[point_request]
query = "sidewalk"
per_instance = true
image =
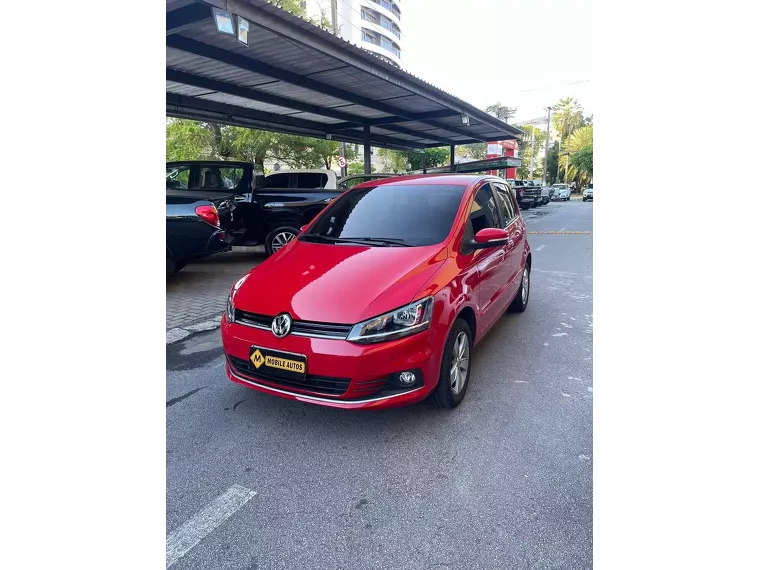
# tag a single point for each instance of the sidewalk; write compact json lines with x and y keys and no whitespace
{"x":198,"y":293}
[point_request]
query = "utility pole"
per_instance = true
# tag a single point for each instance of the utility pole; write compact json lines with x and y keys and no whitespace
{"x":548,"y":138}
{"x":532,"y":151}
{"x":343,"y":169}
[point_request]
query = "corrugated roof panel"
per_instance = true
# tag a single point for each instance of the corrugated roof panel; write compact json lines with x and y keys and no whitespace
{"x":301,"y":94}
{"x":361,"y":111}
{"x":317,"y":118}
{"x":416,"y":104}
{"x":181,"y":89}
{"x":198,"y":65}
{"x":360,"y":82}
{"x":267,"y":47}
{"x":247,"y":103}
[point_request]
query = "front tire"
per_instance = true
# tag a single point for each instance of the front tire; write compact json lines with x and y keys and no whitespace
{"x":279,"y":238}
{"x":455,"y":367}
{"x":519,"y":304}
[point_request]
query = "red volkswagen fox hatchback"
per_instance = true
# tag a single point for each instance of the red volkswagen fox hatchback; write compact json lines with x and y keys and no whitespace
{"x":379,"y":301}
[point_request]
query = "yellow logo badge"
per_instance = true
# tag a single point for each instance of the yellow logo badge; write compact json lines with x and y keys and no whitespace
{"x":257,"y":359}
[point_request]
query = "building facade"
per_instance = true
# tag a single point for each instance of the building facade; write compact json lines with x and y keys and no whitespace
{"x":374,"y":25}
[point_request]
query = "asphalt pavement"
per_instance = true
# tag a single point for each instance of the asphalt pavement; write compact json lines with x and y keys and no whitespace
{"x":503,"y":481}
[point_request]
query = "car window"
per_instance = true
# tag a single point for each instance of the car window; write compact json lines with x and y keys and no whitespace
{"x":311,"y":180}
{"x":277,"y":180}
{"x":219,"y":178}
{"x":418,"y":214}
{"x":505,"y":203}
{"x":177,"y":177}
{"x":484,"y":212}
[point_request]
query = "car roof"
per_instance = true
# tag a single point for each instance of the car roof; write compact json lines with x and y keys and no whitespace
{"x":426,"y":179}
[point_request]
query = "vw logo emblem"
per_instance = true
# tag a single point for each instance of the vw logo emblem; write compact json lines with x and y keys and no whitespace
{"x":281,"y":324}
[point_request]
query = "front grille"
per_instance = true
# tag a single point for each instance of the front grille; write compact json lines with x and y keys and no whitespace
{"x":300,"y":328}
{"x":324,"y":385}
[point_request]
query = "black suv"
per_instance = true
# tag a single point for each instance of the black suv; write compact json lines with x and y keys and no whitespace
{"x":527,"y":194}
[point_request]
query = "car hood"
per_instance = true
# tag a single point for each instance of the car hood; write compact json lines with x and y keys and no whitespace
{"x":343,"y":284}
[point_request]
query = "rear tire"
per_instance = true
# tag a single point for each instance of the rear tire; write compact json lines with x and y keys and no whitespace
{"x":451,"y":388}
{"x":279,"y":238}
{"x":519,"y":304}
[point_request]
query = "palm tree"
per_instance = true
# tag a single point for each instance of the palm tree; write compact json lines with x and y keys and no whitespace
{"x":580,"y":139}
{"x":567,"y":117}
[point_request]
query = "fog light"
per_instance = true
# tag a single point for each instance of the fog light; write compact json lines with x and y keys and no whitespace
{"x":407,"y":378}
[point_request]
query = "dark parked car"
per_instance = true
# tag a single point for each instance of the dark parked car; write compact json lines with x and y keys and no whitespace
{"x":263,"y":215}
{"x":193,"y":226}
{"x":527,"y":194}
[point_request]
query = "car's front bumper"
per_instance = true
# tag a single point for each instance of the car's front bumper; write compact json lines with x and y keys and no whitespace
{"x":363,"y":368}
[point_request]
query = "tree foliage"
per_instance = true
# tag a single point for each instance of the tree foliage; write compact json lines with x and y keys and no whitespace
{"x":477,"y":151}
{"x":501,"y":111}
{"x":553,"y":163}
{"x":581,"y":138}
{"x":582,"y":160}
{"x":525,"y":152}
{"x":567,"y":117}
{"x":399,"y":159}
{"x":306,"y":152}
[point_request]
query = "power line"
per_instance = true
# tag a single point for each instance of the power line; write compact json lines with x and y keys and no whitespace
{"x":555,"y":86}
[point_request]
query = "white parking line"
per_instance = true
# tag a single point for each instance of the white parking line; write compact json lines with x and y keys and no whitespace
{"x":179,"y":542}
{"x":540,"y":247}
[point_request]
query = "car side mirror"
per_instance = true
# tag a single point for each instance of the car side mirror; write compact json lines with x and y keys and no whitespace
{"x":489,"y":237}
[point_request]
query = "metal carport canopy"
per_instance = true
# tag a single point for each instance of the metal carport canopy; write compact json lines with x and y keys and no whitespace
{"x":296,"y":78}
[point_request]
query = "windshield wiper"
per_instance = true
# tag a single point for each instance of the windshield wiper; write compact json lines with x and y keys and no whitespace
{"x":360,"y":240}
{"x":373,"y":240}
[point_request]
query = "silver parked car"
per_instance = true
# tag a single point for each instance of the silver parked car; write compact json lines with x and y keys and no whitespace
{"x":561,"y":192}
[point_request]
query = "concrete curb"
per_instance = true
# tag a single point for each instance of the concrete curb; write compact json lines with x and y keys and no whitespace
{"x":181,"y":333}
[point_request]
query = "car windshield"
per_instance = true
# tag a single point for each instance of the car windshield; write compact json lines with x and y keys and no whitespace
{"x":389,"y":215}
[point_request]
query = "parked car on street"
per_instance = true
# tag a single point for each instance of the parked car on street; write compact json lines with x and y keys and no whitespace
{"x":193,"y":226}
{"x":545,"y":195}
{"x":561,"y":192}
{"x":265,"y":214}
{"x":587,"y":194}
{"x":527,"y":194}
{"x":379,"y":301}
{"x":354,"y":179}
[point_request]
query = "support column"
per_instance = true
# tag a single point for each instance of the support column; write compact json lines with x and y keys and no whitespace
{"x":367,"y":149}
{"x":453,"y":156}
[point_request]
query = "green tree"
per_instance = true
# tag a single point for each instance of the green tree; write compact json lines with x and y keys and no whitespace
{"x":358,"y":168}
{"x":293,"y":6}
{"x":525,"y":152}
{"x":567,"y":117}
{"x":399,"y":159}
{"x":553,"y":164}
{"x":253,"y":146}
{"x":188,"y":140}
{"x":581,"y":139}
{"x":477,"y":151}
{"x":582,"y":161}
{"x":501,"y":111}
{"x":306,"y":152}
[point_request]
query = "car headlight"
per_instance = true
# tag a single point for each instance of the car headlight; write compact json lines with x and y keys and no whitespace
{"x":408,"y":320}
{"x":230,"y":309}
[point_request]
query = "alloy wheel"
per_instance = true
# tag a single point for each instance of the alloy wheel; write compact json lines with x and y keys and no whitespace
{"x":459,"y":363}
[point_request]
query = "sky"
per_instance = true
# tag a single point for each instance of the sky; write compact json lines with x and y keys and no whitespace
{"x":522,"y":53}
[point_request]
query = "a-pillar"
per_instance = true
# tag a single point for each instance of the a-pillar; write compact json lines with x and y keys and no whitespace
{"x":367,"y":149}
